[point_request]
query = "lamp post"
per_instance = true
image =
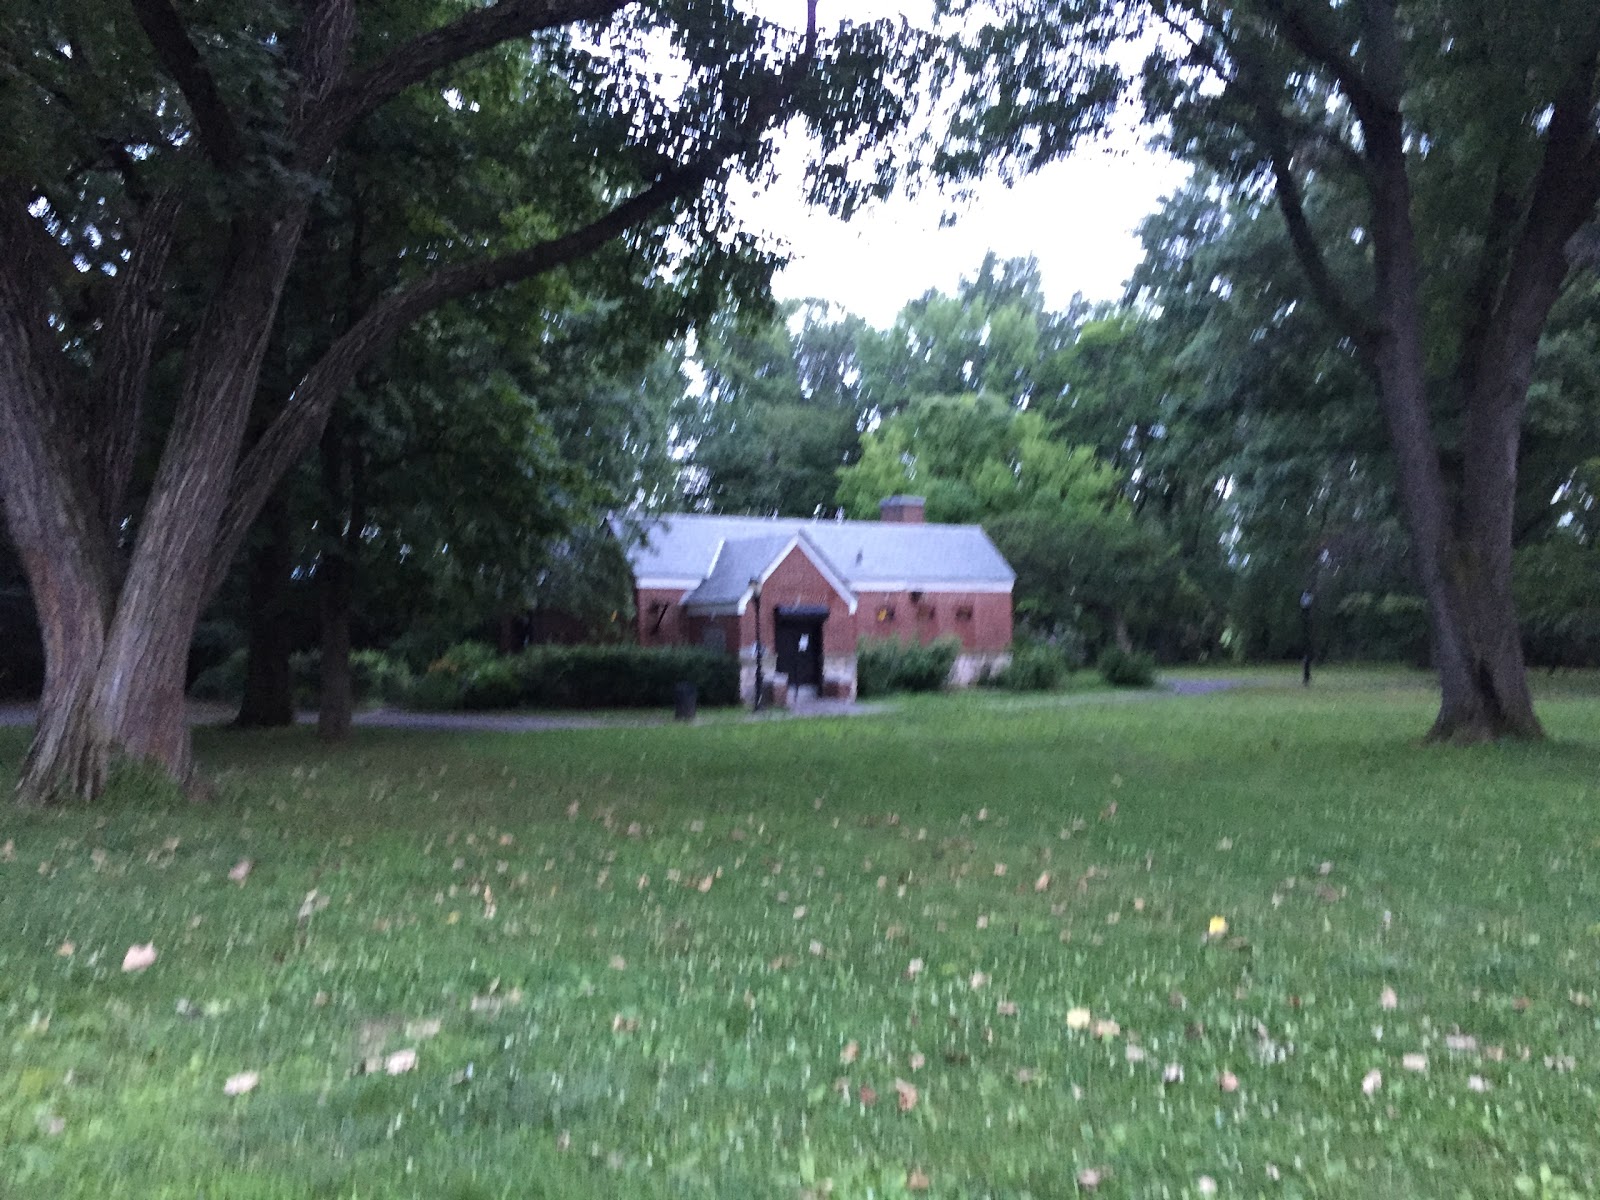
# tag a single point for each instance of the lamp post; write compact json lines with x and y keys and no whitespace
{"x":1305,"y":636}
{"x":755,"y":596}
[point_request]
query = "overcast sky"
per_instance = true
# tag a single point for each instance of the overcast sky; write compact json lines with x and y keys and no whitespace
{"x":1077,"y":217}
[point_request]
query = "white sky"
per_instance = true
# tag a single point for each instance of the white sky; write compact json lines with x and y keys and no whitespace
{"x":1077,"y":217}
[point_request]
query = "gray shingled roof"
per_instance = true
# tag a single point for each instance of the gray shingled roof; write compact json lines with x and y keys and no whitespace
{"x":718,"y":555}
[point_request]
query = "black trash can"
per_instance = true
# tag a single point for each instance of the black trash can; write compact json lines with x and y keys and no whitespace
{"x":685,"y":697}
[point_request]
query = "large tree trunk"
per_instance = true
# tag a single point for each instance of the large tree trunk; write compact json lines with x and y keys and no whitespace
{"x":1466,"y":579}
{"x":268,"y":701}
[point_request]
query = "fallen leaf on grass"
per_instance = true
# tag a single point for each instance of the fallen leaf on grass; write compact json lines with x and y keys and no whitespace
{"x":1477,"y":1083}
{"x":240,"y":871}
{"x":849,"y":1053}
{"x":1106,"y":1028}
{"x":977,"y":980}
{"x":1079,"y":1018}
{"x":907,"y":1094}
{"x":917,"y":1060}
{"x":1133,"y":1053}
{"x":1172,"y":1073}
{"x":66,"y":950}
{"x":1387,"y":999}
{"x":1371,"y":1082}
{"x":1217,"y":926}
{"x":917,"y":1180}
{"x":867,"y":1095}
{"x":400,"y":1062}
{"x":1414,"y":1062}
{"x":1460,"y":1041}
{"x":1041,"y":883}
{"x":913,"y":968}
{"x":238,"y":1085}
{"x":1090,"y":1177}
{"x":139,"y":957}
{"x":1006,"y":1008}
{"x":1206,"y":1185}
{"x":1228,"y":1081}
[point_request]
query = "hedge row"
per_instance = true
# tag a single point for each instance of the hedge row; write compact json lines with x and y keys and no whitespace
{"x":895,"y":666}
{"x":473,"y":676}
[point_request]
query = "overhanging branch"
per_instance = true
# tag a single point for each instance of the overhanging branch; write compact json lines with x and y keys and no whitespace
{"x":427,"y":53}
{"x":218,"y":131}
{"x":298,"y":425}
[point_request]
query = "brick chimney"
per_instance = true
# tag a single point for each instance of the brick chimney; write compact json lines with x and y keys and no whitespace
{"x":902,"y":510}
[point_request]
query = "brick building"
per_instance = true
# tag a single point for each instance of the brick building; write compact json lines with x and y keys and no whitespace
{"x":820,"y":587}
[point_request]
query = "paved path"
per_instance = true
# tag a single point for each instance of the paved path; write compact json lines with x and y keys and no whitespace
{"x":507,"y":722}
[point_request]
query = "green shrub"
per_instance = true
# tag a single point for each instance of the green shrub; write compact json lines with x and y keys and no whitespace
{"x":884,"y":666}
{"x":378,"y":676}
{"x":1126,"y":668}
{"x":1034,"y":667}
{"x":621,"y":676}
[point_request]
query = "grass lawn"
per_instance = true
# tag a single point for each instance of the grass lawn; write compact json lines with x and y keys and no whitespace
{"x":960,"y":950}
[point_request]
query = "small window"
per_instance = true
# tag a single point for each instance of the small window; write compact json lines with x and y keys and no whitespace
{"x":963,"y":612}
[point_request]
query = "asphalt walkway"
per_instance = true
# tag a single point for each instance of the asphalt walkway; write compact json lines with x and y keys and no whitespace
{"x":509,"y":722}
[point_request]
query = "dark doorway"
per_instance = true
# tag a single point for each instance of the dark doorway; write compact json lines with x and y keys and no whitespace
{"x":798,"y":632}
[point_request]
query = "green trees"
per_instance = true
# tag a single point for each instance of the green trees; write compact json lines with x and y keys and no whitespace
{"x":778,"y":410}
{"x":1464,"y":135}
{"x":159,"y":171}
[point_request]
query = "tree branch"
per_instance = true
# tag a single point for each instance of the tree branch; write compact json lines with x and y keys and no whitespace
{"x":300,"y":422}
{"x":116,"y":399}
{"x":1313,"y":39}
{"x":303,"y":417}
{"x":218,"y":131}
{"x":427,"y":53}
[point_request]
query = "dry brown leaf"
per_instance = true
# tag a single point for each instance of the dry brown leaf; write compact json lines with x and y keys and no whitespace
{"x":1228,"y":1081}
{"x":907,"y":1094}
{"x":917,"y":1180}
{"x":851,"y":1050}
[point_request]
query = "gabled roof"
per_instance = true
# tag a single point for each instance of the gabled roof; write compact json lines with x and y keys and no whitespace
{"x":716,"y":557}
